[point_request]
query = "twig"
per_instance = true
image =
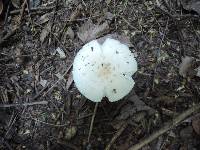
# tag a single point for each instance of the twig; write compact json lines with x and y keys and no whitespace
{"x":51,"y":28}
{"x":24,"y":104}
{"x":119,"y":132}
{"x":92,"y":121}
{"x":58,"y":80}
{"x":22,"y":12}
{"x":158,"y":52}
{"x":33,"y":9}
{"x":11,"y":123}
{"x":169,"y":125}
{"x":50,"y":124}
{"x":6,"y":15}
{"x":128,"y":23}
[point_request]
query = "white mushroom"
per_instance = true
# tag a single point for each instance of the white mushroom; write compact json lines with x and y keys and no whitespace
{"x":104,"y":70}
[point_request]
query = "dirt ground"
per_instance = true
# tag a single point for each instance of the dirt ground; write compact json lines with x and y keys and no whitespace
{"x":40,"y":107}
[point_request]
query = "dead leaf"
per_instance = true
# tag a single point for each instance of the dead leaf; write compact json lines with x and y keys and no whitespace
{"x":75,"y":13}
{"x":1,"y":7}
{"x":109,"y":15}
{"x":70,"y":33}
{"x":60,"y":76}
{"x":122,"y":38}
{"x":43,"y":82}
{"x":45,"y":18}
{"x":16,"y":3}
{"x":89,"y":31}
{"x":108,"y":2}
{"x":196,"y":125}
{"x":132,"y":108}
{"x":61,"y":53}
{"x":45,"y":32}
{"x":191,"y":5}
{"x":198,"y":72}
{"x":185,"y":66}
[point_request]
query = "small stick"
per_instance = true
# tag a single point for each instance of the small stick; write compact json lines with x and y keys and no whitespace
{"x":22,"y":12}
{"x":24,"y":104}
{"x":119,"y":132}
{"x":92,"y":121}
{"x":169,"y":125}
{"x":49,"y":124}
{"x":58,"y":80}
{"x":42,"y":8}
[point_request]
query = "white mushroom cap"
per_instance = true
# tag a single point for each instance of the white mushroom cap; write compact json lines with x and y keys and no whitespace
{"x":104,"y":70}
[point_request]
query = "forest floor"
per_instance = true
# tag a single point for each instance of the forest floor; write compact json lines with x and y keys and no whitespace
{"x":40,"y":107}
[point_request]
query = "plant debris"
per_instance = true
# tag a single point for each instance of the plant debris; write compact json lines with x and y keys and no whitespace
{"x":129,"y":110}
{"x":185,"y":66}
{"x":41,"y":108}
{"x":196,"y":125}
{"x":89,"y":31}
{"x":16,"y":3}
{"x":45,"y":32}
{"x":191,"y":5}
{"x":61,"y":53}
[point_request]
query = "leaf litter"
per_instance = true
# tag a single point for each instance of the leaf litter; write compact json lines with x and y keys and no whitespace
{"x":136,"y":105}
{"x":89,"y":31}
{"x":67,"y":108}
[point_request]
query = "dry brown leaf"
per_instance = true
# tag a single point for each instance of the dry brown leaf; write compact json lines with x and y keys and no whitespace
{"x":196,"y":125}
{"x":45,"y":18}
{"x":1,"y":7}
{"x":89,"y":31}
{"x":45,"y":32}
{"x":185,"y":65}
{"x":132,"y":108}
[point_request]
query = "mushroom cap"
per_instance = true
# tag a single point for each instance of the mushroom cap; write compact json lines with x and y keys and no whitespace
{"x":104,"y":70}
